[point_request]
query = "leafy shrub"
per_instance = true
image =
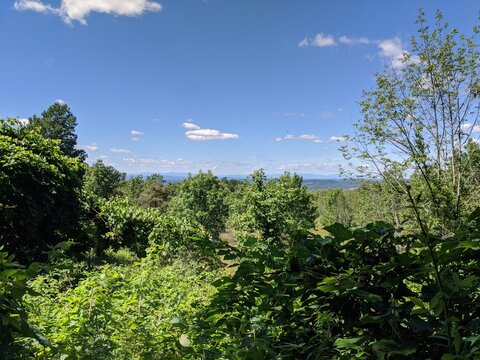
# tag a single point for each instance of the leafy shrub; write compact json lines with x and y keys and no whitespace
{"x":39,"y":192}
{"x":127,"y":225}
{"x":200,"y":198}
{"x":357,"y":293}
{"x":270,"y":208}
{"x":140,"y":311}
{"x":13,"y":317}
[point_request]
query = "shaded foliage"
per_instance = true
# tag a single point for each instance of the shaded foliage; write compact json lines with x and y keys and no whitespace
{"x":39,"y":192}
{"x":102,"y":180}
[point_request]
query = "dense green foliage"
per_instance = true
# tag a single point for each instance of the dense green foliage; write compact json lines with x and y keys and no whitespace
{"x":120,"y":311}
{"x":201,"y":198}
{"x":39,"y":192}
{"x":14,"y":324}
{"x":372,"y":201}
{"x":137,"y":269}
{"x":269,"y":208}
{"x":102,"y":180}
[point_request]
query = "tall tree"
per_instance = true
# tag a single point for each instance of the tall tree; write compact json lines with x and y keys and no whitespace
{"x":58,"y":123}
{"x":417,"y":121}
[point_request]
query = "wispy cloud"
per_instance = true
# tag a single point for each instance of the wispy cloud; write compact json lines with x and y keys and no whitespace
{"x":303,"y":137}
{"x":92,"y":147}
{"x":32,"y":5}
{"x":354,"y":41}
{"x":136,"y":132}
{"x":190,"y":125}
{"x":196,"y":133}
{"x":79,"y":10}
{"x":392,"y":51}
{"x":468,"y":127}
{"x":60,"y":101}
{"x":120,"y":151}
{"x":326,"y":114}
{"x":294,"y":114}
{"x":135,"y":139}
{"x":338,"y":138}
{"x":320,"y":40}
{"x":324,"y":166}
{"x":310,"y":137}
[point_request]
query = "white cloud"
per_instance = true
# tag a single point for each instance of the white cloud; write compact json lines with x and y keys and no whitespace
{"x":60,"y":101}
{"x":471,"y":128}
{"x":93,"y":147}
{"x":135,"y":139}
{"x":136,"y":132}
{"x":303,"y":43}
{"x":24,"y":122}
{"x":321,"y":166}
{"x":209,"y":134}
{"x":32,"y":5}
{"x":303,"y":137}
{"x":354,"y":41}
{"x":190,"y":125}
{"x":338,"y":138}
{"x":310,"y":165}
{"x":120,"y":151}
{"x":320,"y":40}
{"x":196,"y":133}
{"x":310,"y":137}
{"x":79,"y":10}
{"x":392,"y":51}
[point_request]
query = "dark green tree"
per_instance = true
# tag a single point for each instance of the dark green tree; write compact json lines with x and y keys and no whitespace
{"x":58,"y":123}
{"x":39,"y":192}
{"x":131,"y":187}
{"x":102,"y":180}
{"x":154,"y":193}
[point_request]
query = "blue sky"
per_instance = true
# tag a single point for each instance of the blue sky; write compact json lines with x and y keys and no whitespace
{"x":230,"y":86}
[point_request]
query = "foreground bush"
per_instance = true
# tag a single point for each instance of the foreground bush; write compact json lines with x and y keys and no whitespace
{"x":358,"y":293}
{"x":139,"y":311}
